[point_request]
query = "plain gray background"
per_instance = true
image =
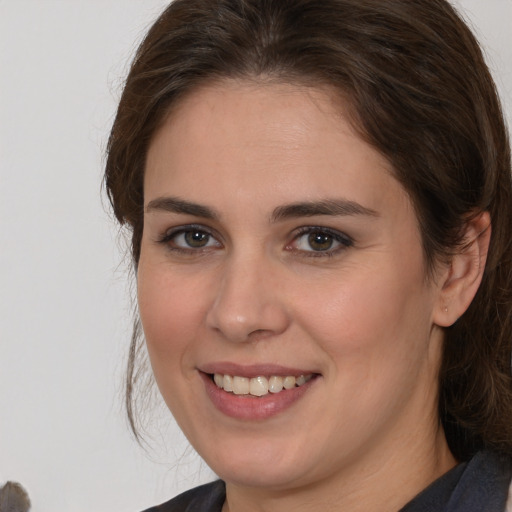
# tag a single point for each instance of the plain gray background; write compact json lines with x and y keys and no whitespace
{"x":64,"y":289}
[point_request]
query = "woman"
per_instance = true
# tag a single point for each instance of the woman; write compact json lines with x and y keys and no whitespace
{"x":319,"y":194}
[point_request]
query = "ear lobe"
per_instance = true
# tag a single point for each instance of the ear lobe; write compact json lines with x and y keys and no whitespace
{"x":464,"y":274}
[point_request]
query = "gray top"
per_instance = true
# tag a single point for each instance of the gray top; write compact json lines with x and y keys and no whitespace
{"x":479,"y":485}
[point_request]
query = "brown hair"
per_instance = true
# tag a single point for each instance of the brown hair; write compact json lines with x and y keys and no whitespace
{"x":421,"y":93}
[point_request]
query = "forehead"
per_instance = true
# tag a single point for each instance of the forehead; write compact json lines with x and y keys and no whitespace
{"x":261,"y":136}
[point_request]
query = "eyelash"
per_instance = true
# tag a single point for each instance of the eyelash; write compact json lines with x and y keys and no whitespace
{"x":170,"y":236}
{"x":342,"y":239}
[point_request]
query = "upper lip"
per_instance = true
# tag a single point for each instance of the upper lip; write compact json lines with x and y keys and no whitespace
{"x":252,"y":370}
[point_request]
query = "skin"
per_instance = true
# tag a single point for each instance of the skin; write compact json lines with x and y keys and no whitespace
{"x":362,"y":316}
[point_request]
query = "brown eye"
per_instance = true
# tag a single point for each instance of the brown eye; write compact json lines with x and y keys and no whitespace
{"x":190,"y":239}
{"x":196,"y":239}
{"x":320,"y":241}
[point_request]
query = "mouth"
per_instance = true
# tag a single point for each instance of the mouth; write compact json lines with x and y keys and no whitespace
{"x":259,"y":386}
{"x":252,"y":393}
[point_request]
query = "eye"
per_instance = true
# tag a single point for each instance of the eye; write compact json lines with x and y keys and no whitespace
{"x":193,"y":238}
{"x":189,"y":238}
{"x":322,"y":241}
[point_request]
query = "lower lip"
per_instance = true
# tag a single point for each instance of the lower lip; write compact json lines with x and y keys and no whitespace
{"x":248,"y":407}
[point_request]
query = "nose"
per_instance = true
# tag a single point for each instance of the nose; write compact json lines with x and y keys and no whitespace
{"x":248,"y":305}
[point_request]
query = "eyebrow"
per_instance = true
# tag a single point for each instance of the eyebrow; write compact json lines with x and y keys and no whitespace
{"x":334,"y":207}
{"x":176,"y":205}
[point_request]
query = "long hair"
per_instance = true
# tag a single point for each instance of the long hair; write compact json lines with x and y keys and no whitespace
{"x":419,"y":91}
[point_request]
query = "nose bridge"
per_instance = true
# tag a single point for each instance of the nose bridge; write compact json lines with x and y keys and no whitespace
{"x":247,"y":304}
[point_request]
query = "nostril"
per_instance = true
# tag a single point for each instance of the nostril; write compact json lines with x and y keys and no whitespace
{"x":259,"y":334}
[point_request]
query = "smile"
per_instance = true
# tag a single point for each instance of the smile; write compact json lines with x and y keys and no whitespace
{"x":257,"y":392}
{"x":259,"y":386}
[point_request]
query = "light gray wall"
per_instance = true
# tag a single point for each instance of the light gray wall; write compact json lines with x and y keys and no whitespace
{"x":64,"y":321}
{"x":65,"y":313}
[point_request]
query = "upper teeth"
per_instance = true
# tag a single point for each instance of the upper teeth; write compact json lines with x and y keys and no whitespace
{"x":258,"y":386}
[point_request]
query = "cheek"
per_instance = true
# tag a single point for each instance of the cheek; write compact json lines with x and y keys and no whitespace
{"x":376,"y":334}
{"x":170,"y":309}
{"x":376,"y":321}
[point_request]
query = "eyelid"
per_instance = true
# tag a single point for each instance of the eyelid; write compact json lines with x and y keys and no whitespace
{"x":173,"y":232}
{"x":343,"y":239}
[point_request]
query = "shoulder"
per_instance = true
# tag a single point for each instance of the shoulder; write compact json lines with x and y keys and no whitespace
{"x":484,"y":484}
{"x":481,"y":484}
{"x":205,"y":498}
{"x":508,"y":507}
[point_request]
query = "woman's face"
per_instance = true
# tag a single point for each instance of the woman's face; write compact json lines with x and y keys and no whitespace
{"x":277,"y":249}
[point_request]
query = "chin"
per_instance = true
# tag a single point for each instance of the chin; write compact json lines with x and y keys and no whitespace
{"x":269,"y":475}
{"x":259,"y":463}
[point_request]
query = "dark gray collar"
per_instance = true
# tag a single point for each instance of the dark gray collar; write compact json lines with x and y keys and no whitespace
{"x":479,"y":485}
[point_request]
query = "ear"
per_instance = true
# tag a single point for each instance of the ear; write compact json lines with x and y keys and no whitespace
{"x":462,"y":277}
